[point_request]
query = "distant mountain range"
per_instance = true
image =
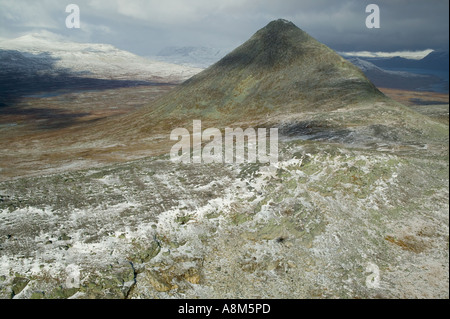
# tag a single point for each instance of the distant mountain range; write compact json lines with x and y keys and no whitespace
{"x":400,"y":79}
{"x":45,"y":50}
{"x":436,"y":60}
{"x":433,"y":71}
{"x":200,"y":57}
{"x":42,"y":63}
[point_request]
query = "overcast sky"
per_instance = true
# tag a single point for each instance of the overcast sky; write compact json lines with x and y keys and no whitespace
{"x":146,"y":26}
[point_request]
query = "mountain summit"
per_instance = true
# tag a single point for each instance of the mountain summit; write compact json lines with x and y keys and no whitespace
{"x":279,"y":43}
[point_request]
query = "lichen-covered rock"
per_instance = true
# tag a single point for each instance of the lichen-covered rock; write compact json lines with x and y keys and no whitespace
{"x":37,"y":295}
{"x":61,"y":293}
{"x":308,"y":228}
{"x":193,"y":276}
{"x":114,"y":282}
{"x":18,"y":284}
{"x":157,"y":282}
{"x":143,"y":254}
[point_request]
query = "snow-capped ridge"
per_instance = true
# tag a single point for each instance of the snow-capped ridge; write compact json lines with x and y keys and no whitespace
{"x":96,"y":59}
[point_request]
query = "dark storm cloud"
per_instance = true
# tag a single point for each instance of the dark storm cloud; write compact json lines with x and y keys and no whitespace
{"x":145,"y":27}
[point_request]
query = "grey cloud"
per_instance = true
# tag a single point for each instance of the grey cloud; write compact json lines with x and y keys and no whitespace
{"x":145,"y":27}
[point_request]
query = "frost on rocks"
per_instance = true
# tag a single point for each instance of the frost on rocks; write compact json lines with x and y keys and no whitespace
{"x":306,"y":227}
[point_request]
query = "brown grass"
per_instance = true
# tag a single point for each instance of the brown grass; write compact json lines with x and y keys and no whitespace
{"x":415,"y":97}
{"x":409,"y":243}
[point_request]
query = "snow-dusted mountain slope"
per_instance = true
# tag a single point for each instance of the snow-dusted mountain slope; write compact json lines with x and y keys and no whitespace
{"x":200,"y":57}
{"x":399,"y":79}
{"x":101,"y":61}
{"x":367,"y":66}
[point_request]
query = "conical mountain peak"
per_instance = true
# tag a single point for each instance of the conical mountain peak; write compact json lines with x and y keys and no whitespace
{"x":279,"y":42}
{"x":279,"y":70}
{"x":279,"y":66}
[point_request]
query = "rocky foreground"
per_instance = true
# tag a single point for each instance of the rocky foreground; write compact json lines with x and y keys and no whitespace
{"x":328,"y":221}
